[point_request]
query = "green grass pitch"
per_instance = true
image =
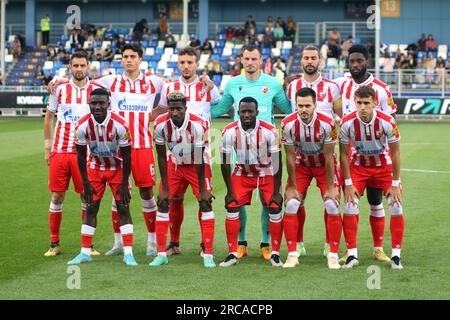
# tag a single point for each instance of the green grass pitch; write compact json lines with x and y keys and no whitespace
{"x":27,"y":274}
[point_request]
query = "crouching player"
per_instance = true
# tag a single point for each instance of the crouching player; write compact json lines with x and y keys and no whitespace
{"x":109,"y":141}
{"x":186,"y":136}
{"x":312,"y":135}
{"x":258,"y":166}
{"x":373,"y":133}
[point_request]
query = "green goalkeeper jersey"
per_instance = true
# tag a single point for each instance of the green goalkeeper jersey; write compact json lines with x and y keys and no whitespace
{"x":267,"y":90}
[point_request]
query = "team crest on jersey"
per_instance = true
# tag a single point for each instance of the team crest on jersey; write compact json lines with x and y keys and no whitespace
{"x":265,"y":90}
{"x":145,"y":87}
{"x":379,"y":134}
{"x":112,"y":135}
{"x":322,"y":95}
{"x":201,"y":94}
{"x":319,"y":135}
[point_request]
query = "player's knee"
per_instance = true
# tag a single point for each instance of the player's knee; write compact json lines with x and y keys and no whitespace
{"x":292,"y":206}
{"x":123,"y":210}
{"x":58,"y":197}
{"x":204,"y":206}
{"x":92,"y":208}
{"x":233,"y":213}
{"x":207,"y":215}
{"x":351,"y":208}
{"x":275,"y":217}
{"x":162,"y":216}
{"x":163,"y":206}
{"x":146,"y":193}
{"x":179,"y":198}
{"x":377,"y":210}
{"x":395,"y":208}
{"x":331,"y":206}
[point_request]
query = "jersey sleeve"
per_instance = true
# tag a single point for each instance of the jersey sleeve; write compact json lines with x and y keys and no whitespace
{"x":225,"y":103}
{"x":281,"y":101}
{"x":274,"y":141}
{"x":227,"y":142}
{"x":123,"y":136}
{"x":106,"y":81}
{"x":158,"y":83}
{"x":286,"y":136}
{"x":331,"y":135}
{"x":344,"y":136}
{"x":80,"y":135}
{"x":163,"y":97}
{"x":215,"y":95}
{"x":159,"y":134}
{"x":391,"y":130}
{"x":339,"y":82}
{"x":335,"y":91}
{"x":386,"y":101}
{"x":53,"y":101}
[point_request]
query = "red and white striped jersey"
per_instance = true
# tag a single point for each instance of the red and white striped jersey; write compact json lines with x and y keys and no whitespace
{"x":326,"y":91}
{"x":134,"y":100}
{"x":383,"y":95}
{"x":370,"y":140}
{"x":309,"y":139}
{"x":184,"y":141}
{"x":254,"y":149}
{"x":198,"y":101}
{"x":71,"y":103}
{"x":104,"y":140}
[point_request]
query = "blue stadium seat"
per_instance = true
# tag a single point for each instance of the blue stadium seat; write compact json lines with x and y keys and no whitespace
{"x":217,"y":79}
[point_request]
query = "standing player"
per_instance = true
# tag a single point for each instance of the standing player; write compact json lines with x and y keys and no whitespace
{"x":109,"y":142}
{"x":186,"y":136}
{"x":311,"y":136}
{"x":371,"y":164}
{"x":258,"y":166}
{"x":198,"y":102}
{"x":268,"y":92}
{"x":328,"y":102}
{"x":133,"y":96}
{"x":358,"y":63}
{"x":70,"y":101}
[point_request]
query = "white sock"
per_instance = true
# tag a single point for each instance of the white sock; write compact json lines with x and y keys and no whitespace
{"x":299,"y":243}
{"x":118,"y":240}
{"x":151,"y":237}
{"x":164,"y":254}
{"x":396,"y":252}
{"x":353,"y":252}
{"x":378,"y":248}
{"x":332,"y":255}
{"x":86,"y":251}
{"x":276,"y":252}
{"x":127,"y":250}
{"x":207,"y":256}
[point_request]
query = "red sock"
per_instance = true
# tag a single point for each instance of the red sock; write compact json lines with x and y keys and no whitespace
{"x":176,"y":213}
{"x":150,"y":218}
{"x":162,"y":226}
{"x":87,"y":233}
{"x":350,"y":225}
{"x":276,"y":233}
{"x":207,"y":227}
{"x":127,"y":235}
{"x":232,"y":227}
{"x":115,"y":221}
{"x":290,"y":227}
{"x":397,"y":227}
{"x":334,"y":227}
{"x":327,"y":236}
{"x":301,"y":216}
{"x":377,"y":225}
{"x":54,"y":219}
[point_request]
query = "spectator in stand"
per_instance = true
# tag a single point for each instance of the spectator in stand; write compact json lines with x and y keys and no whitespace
{"x":216,"y":69}
{"x":106,"y":70}
{"x":335,"y":35}
{"x":399,"y":59}
{"x":240,"y":34}
{"x":238,"y":62}
{"x":230,"y":65}
{"x":441,"y":73}
{"x":45,"y":29}
{"x":22,"y":41}
{"x":422,"y":43}
{"x":229,"y":33}
{"x":279,"y":74}
{"x":267,"y":41}
{"x":163,"y":27}
{"x":205,"y":71}
{"x":420,"y":72}
{"x":346,"y":45}
{"x":107,"y":54}
{"x":109,"y":33}
{"x":61,"y":49}
{"x":280,"y":65}
{"x":120,"y":42}
{"x":269,"y":25}
{"x":90,"y":51}
{"x":282,"y":24}
{"x":148,"y":72}
{"x":249,"y":24}
{"x":439,"y":61}
{"x":371,"y":50}
{"x":38,"y":74}
{"x":388,"y":67}
{"x":195,"y":43}
{"x":324,"y":51}
{"x":79,"y":47}
{"x":448,"y":63}
{"x":207,"y":47}
{"x":93,"y":73}
{"x":340,"y":66}
{"x":282,"y":58}
{"x":333,"y":49}
{"x":268,"y":67}
{"x":236,"y":71}
{"x":140,"y":30}
{"x":170,"y":41}
{"x":278,"y":32}
{"x":431,"y":44}
{"x":66,"y":59}
{"x":17,"y":48}
{"x":75,"y":38}
{"x":291,"y":29}
{"x":98,"y":53}
{"x":430,"y":66}
{"x":47,"y":78}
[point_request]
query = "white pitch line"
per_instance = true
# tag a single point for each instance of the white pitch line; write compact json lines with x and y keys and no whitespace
{"x":425,"y":171}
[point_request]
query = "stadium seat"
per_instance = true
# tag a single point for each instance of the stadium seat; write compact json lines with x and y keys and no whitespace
{"x":11,"y":38}
{"x":9,"y":58}
{"x":162,"y":65}
{"x":393,"y":48}
{"x":67,"y":45}
{"x":279,"y":44}
{"x":174,"y":58}
{"x":165,"y":57}
{"x":86,"y":44}
{"x":287,"y":45}
{"x":105,"y":44}
{"x":95,"y":64}
{"x":48,"y":65}
{"x":276,"y":52}
{"x":150,"y":51}
{"x":161,"y":44}
{"x":168,"y":51}
{"x":443,"y":51}
{"x":227,"y":52}
{"x":168,"y":72}
{"x":143,"y":65}
{"x":176,"y":37}
{"x":117,"y":57}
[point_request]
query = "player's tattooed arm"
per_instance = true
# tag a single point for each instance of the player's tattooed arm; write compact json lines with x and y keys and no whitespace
{"x":291,"y":191}
{"x":332,"y":192}
{"x":351,"y":195}
{"x":123,"y":191}
{"x":226,"y":174}
{"x":394,"y":192}
{"x":277,"y":198}
{"x":163,"y":195}
{"x":206,"y":197}
{"x":48,"y":121}
{"x":88,"y":190}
